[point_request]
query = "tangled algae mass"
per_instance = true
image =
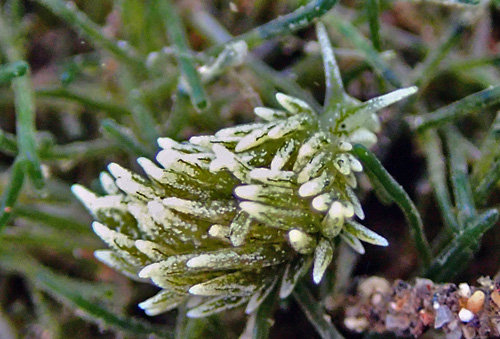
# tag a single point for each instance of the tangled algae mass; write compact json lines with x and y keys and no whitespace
{"x":222,"y":220}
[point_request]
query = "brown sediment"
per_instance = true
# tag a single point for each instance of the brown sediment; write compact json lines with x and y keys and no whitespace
{"x":409,"y":310}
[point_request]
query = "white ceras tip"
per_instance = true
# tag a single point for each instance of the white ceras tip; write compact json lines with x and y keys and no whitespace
{"x":86,"y":196}
{"x":347,"y":209}
{"x":118,"y":171}
{"x":336,"y":210}
{"x":101,"y":230}
{"x":148,"y":271}
{"x":247,"y":191}
{"x":320,"y":203}
{"x":150,"y":168}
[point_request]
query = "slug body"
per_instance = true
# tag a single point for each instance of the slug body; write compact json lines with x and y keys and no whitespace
{"x":228,"y":216}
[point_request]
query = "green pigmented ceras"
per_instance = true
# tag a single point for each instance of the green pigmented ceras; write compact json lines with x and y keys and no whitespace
{"x":228,"y":216}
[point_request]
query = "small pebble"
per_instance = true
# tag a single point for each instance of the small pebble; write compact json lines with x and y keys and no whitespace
{"x":495,"y":296}
{"x":469,"y":332}
{"x":374,"y":285}
{"x":423,"y":287}
{"x":453,"y":325}
{"x":396,"y":322}
{"x":464,"y":290}
{"x":465,"y":315}
{"x":356,"y":324}
{"x":376,"y":299}
{"x":443,"y":316}
{"x":497,"y":325}
{"x":454,"y":334}
{"x":486,"y":282}
{"x":476,"y":302}
{"x":426,"y":317}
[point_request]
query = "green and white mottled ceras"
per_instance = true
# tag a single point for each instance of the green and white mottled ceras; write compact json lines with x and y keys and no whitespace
{"x":223,"y":218}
